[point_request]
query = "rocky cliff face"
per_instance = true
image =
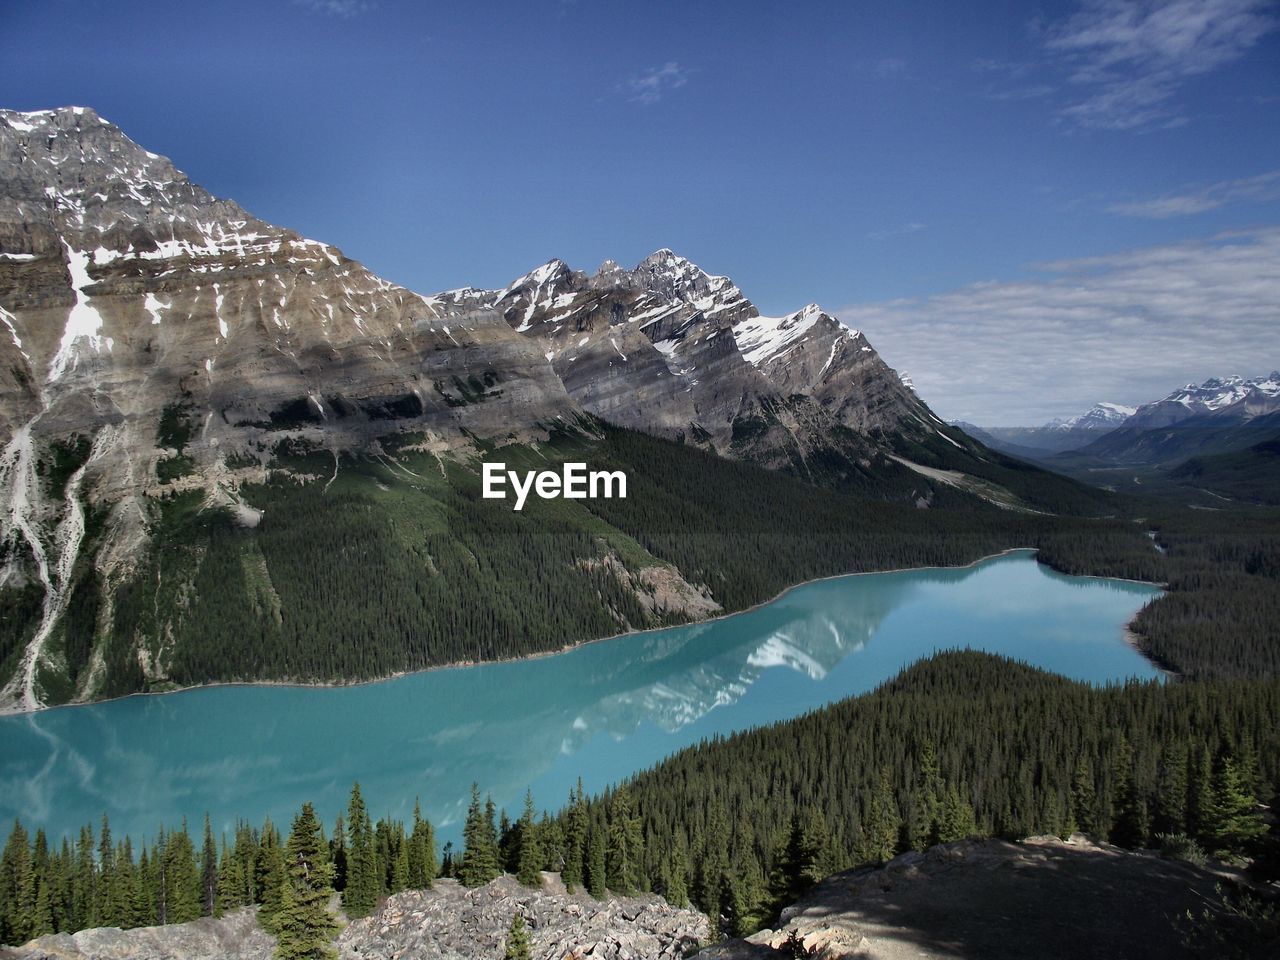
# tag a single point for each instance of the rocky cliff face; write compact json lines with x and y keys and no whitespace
{"x":669,"y":349}
{"x":155,"y":339}
{"x":995,"y":900}
{"x":449,"y":922}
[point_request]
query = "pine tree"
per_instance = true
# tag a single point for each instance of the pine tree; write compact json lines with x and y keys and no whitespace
{"x":575,"y":839}
{"x":230,"y":894}
{"x":208,"y":870}
{"x":882,"y":823}
{"x":1131,"y":825}
{"x":108,"y":912}
{"x":181,"y":878}
{"x":1234,"y":822}
{"x":529,"y":858}
{"x":360,"y":894}
{"x":84,"y":884}
{"x":399,"y":874}
{"x":926,"y":810}
{"x":17,"y":888}
{"x":304,"y":925}
{"x":1200,"y":799}
{"x":677,"y":886}
{"x":1083,"y":798}
{"x":338,"y":854}
{"x":479,"y":853}
{"x":422,"y":851}
{"x":597,"y":885}
{"x":957,"y":820}
{"x":270,"y":874}
{"x":517,"y":947}
{"x":1171,"y":792}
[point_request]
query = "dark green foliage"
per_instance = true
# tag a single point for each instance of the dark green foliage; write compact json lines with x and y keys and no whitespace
{"x":962,"y":733}
{"x":303,"y":923}
{"x":101,"y":884}
{"x":517,"y":947}
{"x":480,"y":840}
{"x":421,"y":852}
{"x":363,"y":884}
{"x":529,"y":855}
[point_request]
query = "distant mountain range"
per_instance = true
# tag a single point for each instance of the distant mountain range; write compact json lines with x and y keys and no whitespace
{"x":1056,"y":435}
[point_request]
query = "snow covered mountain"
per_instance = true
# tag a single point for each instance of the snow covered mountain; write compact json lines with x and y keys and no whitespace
{"x":1101,"y":416}
{"x":1227,"y":398}
{"x":1055,"y":436}
{"x":160,"y":342}
{"x":1217,"y":416}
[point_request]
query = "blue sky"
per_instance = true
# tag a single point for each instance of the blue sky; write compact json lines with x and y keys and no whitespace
{"x":908,"y":165}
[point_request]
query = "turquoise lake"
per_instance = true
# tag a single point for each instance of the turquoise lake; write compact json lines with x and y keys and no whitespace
{"x":600,"y":711}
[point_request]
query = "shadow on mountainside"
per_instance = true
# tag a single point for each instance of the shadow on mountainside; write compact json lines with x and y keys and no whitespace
{"x":995,"y":900}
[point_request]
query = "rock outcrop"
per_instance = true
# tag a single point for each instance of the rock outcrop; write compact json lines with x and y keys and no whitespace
{"x":236,"y":936}
{"x":449,"y":922}
{"x":992,"y":900}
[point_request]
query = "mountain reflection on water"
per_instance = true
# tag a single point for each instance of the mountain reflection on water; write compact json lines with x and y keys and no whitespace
{"x":600,"y":711}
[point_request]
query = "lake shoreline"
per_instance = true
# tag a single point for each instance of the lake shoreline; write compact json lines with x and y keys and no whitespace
{"x":1129,"y":639}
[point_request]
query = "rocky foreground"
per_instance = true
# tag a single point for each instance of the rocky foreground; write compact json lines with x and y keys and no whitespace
{"x":449,"y":922}
{"x":992,"y":900}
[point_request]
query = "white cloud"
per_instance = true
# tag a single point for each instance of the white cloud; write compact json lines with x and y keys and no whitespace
{"x":652,"y":85}
{"x":1200,"y":198}
{"x":1126,"y":327}
{"x":1128,"y":59}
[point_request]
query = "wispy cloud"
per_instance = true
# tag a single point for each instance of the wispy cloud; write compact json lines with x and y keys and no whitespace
{"x":653,"y":84}
{"x":898,"y":231}
{"x":343,"y":9}
{"x":1203,"y":197}
{"x":1126,"y":327}
{"x":1128,"y":59}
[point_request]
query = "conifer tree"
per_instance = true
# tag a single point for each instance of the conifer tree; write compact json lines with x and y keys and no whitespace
{"x":270,"y":874}
{"x":1234,"y":822}
{"x":230,"y":892}
{"x":529,"y":859}
{"x":360,"y":894}
{"x":208,"y":870}
{"x":597,"y":885}
{"x":882,"y":823}
{"x":479,"y":853}
{"x":181,"y":878}
{"x":1083,"y":798}
{"x":957,"y":820}
{"x":338,"y":854}
{"x":17,"y":888}
{"x":399,"y":875}
{"x":677,"y":886}
{"x":84,"y":884}
{"x":517,"y":947}
{"x":575,"y":839}
{"x":1171,"y":792}
{"x":1130,"y":826}
{"x":422,"y":851}
{"x":304,"y":925}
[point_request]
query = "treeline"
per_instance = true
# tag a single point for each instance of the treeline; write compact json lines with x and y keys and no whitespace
{"x":963,"y":744}
{"x":100,"y":882}
{"x":960,"y":745}
{"x":394,"y":569}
